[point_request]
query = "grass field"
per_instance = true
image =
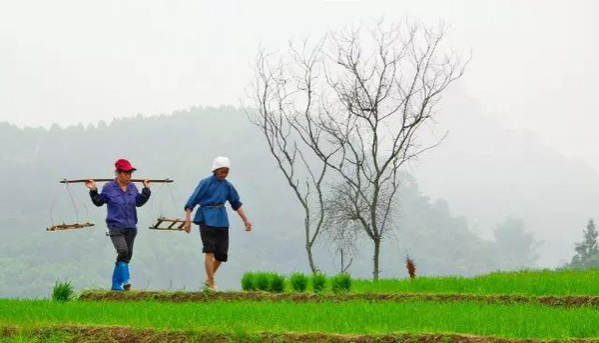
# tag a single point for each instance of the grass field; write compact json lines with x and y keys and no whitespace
{"x":566,"y":282}
{"x":491,"y":307}
{"x":354,"y":317}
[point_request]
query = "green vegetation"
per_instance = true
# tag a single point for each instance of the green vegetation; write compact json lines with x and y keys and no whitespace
{"x":267,"y":282}
{"x":63,"y":291}
{"x":277,"y":283}
{"x":262,"y":281}
{"x":587,"y":251}
{"x":545,"y":282}
{"x":529,"y":283}
{"x":299,"y":282}
{"x":232,"y":315}
{"x":248,"y":282}
{"x":319,"y":282}
{"x":30,"y":336}
{"x":341,"y":283}
{"x":511,"y":321}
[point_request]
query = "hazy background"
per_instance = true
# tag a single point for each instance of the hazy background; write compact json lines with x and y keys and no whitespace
{"x":522,"y":124}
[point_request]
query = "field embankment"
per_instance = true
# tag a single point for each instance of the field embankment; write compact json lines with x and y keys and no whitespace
{"x":567,"y":301}
{"x":102,"y":334}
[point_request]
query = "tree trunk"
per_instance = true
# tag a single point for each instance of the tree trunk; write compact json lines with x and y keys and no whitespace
{"x":377,"y":254}
{"x":313,"y":266}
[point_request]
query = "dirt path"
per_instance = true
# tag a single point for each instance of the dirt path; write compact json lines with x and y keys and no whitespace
{"x":93,"y":334}
{"x":567,"y":301}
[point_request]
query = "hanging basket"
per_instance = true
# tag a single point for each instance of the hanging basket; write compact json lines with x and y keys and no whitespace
{"x":76,"y":223}
{"x":168,"y":224}
{"x":78,"y":226}
{"x":63,"y":227}
{"x":164,"y":223}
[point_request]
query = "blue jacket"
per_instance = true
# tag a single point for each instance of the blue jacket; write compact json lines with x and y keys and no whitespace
{"x":211,"y":194}
{"x":121,"y":205}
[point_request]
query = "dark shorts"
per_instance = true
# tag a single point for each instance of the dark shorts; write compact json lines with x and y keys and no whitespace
{"x":215,"y":241}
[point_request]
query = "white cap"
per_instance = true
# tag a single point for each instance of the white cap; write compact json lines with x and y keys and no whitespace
{"x":221,"y":162}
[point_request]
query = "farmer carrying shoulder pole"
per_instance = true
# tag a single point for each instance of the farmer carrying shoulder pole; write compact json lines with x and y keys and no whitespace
{"x":211,"y":194}
{"x":122,"y":198}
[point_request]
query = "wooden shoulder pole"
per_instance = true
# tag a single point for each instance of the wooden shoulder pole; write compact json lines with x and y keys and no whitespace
{"x":107,"y":180}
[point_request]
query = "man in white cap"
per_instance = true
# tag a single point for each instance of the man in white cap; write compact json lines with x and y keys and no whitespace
{"x":211,"y":194}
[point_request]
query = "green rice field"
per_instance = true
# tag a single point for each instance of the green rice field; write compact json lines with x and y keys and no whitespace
{"x":237,"y":316}
{"x":354,"y":317}
{"x":538,"y":283}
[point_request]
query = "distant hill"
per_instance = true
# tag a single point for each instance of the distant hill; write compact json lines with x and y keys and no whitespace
{"x":487,"y":173}
{"x":474,"y":180}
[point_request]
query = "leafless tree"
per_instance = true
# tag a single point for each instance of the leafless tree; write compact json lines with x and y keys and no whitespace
{"x":283,"y":91}
{"x":344,"y":263}
{"x":365,"y":96}
{"x":341,"y":231}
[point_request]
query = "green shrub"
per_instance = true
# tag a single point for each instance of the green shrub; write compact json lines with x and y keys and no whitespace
{"x":299,"y":282}
{"x":319,"y":282}
{"x":263,"y":281}
{"x":341,"y":283}
{"x":248,"y":282}
{"x":277,"y":283}
{"x":63,"y":291}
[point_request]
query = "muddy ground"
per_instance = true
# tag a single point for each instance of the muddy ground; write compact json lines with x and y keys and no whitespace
{"x":567,"y":301}
{"x":96,"y":334}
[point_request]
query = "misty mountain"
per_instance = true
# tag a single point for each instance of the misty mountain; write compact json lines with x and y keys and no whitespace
{"x":490,"y":173}
{"x":182,"y":146}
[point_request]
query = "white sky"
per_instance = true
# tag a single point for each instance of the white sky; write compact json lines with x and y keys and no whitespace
{"x":534,"y":67}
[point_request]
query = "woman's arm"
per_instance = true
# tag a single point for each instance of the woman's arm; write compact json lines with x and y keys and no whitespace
{"x":187,"y":226}
{"x":191,"y":203}
{"x":246,"y":221}
{"x":97,"y":198}
{"x":143,"y":197}
{"x":236,"y":204}
{"x":194,"y":199}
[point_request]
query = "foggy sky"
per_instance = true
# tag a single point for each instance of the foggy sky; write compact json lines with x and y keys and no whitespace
{"x":534,"y":68}
{"x":533,"y":62}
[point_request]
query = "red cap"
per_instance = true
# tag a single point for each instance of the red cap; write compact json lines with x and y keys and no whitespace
{"x":124,"y":165}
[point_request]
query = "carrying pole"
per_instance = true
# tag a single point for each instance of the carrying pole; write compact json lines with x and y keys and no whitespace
{"x":107,"y":180}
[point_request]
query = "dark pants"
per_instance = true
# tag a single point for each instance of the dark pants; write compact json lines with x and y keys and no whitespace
{"x":215,"y":241}
{"x":123,"y":239}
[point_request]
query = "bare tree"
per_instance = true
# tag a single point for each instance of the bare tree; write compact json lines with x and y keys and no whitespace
{"x":348,"y":209}
{"x":341,"y":231}
{"x":365,"y":96}
{"x":281,"y":92}
{"x":344,"y":263}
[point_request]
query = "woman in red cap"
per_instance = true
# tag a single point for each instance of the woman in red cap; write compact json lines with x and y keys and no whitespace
{"x":121,"y":197}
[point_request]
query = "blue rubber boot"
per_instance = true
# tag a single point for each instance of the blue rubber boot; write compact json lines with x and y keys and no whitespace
{"x":126,"y":278}
{"x":118,"y":277}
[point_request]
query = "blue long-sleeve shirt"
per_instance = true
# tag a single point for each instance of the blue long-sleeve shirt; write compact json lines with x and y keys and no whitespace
{"x":211,"y":194}
{"x":122,"y":212}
